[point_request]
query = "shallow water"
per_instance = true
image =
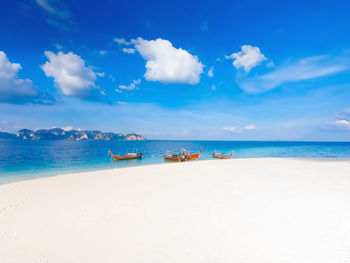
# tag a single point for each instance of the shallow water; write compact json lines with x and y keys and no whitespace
{"x":30,"y":159}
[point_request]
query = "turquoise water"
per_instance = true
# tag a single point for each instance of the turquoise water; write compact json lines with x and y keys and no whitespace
{"x":30,"y":159}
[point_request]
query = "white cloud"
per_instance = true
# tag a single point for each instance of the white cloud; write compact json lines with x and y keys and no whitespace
{"x":168,"y":64}
{"x":8,"y":70}
{"x":128,"y":50}
{"x":122,"y":41}
{"x":131,"y":86}
{"x":137,"y":81}
{"x":211,"y":72}
{"x":304,"y":69}
{"x":14,"y":89}
{"x":239,"y":129}
{"x":250,"y":127}
{"x":70,"y":74}
{"x":248,"y":58}
{"x":213,"y":87}
{"x":342,"y":124}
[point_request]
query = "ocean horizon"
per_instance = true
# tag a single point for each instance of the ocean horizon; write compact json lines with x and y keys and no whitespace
{"x":22,"y":160}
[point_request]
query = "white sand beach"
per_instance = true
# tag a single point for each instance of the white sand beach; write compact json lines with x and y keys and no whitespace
{"x":240,"y":210}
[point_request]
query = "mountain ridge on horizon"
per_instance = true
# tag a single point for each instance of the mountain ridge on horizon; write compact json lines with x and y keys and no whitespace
{"x":70,"y":135}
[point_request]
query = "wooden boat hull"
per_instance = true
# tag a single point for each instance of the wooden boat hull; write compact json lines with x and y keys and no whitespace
{"x":120,"y":158}
{"x":170,"y":158}
{"x":222,"y":156}
{"x":182,"y":156}
{"x":195,"y":156}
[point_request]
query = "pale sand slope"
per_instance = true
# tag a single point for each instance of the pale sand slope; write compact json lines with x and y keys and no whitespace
{"x":241,"y":210}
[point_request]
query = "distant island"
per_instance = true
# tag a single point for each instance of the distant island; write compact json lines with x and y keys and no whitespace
{"x":71,"y":135}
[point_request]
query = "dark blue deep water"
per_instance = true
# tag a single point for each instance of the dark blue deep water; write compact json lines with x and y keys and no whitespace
{"x":29,"y":159}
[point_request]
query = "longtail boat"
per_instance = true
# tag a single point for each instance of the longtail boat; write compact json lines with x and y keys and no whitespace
{"x":223,"y":156}
{"x":193,"y":156}
{"x":181,"y":157}
{"x":128,"y":156}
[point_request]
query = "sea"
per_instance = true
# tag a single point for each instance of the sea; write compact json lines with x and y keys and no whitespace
{"x":22,"y":160}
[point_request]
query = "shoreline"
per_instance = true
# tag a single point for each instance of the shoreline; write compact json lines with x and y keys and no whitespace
{"x":44,"y":174}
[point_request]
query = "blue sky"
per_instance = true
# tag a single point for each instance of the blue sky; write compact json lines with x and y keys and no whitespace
{"x":218,"y":70}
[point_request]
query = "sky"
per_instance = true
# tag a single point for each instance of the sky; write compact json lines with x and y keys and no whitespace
{"x":182,"y":70}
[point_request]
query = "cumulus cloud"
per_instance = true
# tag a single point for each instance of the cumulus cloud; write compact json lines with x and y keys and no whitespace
{"x":8,"y":69}
{"x":16,"y":90}
{"x":248,"y":58}
{"x":304,"y":69}
{"x":128,"y":50}
{"x":122,"y":41}
{"x":131,"y":86}
{"x":211,"y":72}
{"x":168,"y":64}
{"x":70,"y":74}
